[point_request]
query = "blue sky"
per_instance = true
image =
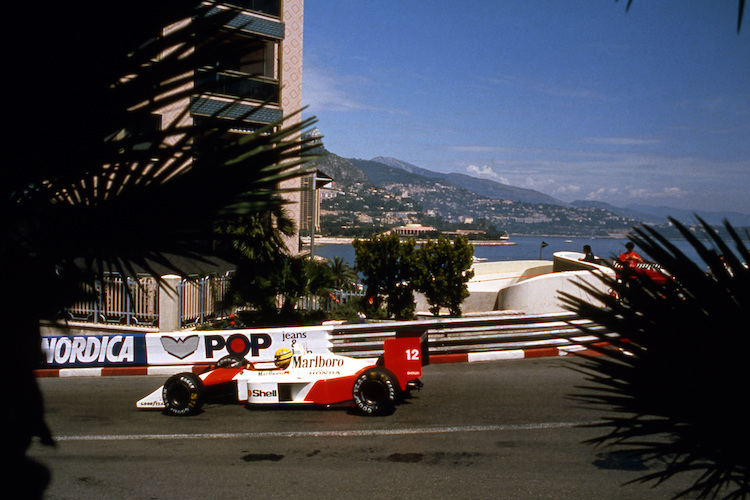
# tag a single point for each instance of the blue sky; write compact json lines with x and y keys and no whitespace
{"x":578,"y":99}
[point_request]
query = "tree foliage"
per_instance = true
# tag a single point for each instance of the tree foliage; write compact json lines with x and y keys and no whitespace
{"x":343,"y":276}
{"x":674,"y":383}
{"x":443,"y":271}
{"x":393,"y":269}
{"x":388,"y":266}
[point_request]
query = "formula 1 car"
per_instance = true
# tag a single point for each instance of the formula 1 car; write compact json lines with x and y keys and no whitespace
{"x":642,"y":270}
{"x":300,"y":378}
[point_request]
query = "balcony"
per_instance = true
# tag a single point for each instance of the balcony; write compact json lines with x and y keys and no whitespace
{"x":251,"y":23}
{"x":215,"y":107}
{"x":240,"y":85}
{"x":267,"y":7}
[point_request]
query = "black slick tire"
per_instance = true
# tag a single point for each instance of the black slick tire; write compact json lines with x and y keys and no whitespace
{"x":183,"y":394}
{"x":375,"y":392}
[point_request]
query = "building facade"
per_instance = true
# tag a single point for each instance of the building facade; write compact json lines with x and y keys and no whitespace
{"x":268,"y":77}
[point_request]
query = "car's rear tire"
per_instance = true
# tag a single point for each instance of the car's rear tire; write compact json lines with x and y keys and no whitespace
{"x":375,"y":392}
{"x":183,"y":394}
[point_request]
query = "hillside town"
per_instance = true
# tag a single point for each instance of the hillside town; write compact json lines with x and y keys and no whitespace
{"x":362,"y":209}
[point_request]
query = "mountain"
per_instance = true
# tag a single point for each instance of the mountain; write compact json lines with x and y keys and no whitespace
{"x":382,"y":171}
{"x":659,"y":214}
{"x":484,"y":187}
{"x":629,"y":212}
{"x":385,"y":192}
{"x":688,"y":216}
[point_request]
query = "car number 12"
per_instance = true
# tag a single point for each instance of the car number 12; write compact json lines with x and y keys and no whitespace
{"x":412,"y":354}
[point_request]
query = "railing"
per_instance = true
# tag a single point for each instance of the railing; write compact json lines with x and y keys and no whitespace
{"x":328,"y":302}
{"x":268,"y":7}
{"x":204,"y":298}
{"x":130,"y":302}
{"x":494,"y":332}
{"x":135,"y":302}
{"x":240,"y":85}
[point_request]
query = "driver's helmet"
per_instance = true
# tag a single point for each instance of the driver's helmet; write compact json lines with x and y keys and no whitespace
{"x":283,"y":357}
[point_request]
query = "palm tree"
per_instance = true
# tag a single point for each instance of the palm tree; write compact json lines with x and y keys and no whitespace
{"x":342,"y":275}
{"x":674,"y":381}
{"x":90,"y":188}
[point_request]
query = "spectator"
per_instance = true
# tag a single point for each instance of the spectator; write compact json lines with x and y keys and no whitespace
{"x":588,"y":255}
{"x":630,"y":257}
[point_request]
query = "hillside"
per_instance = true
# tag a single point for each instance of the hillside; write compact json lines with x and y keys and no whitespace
{"x":658,"y":215}
{"x":374,"y":195}
{"x":484,"y":187}
{"x":370,"y":196}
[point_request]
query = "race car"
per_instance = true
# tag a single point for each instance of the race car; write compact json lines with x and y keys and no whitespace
{"x":300,"y":378}
{"x":642,"y":270}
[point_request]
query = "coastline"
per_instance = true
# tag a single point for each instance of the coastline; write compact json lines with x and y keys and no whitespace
{"x":337,"y":240}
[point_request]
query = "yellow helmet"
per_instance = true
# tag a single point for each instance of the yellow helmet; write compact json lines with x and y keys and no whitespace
{"x":283,"y":357}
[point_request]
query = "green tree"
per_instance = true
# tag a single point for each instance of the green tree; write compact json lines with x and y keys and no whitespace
{"x":270,"y":293}
{"x":342,"y":275}
{"x":256,"y":238}
{"x":260,"y":255}
{"x":443,"y":271}
{"x":90,"y":187}
{"x":674,"y":382}
{"x":387,"y":265}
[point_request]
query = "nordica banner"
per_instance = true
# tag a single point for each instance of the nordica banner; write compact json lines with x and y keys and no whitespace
{"x":94,"y":350}
{"x":178,"y":348}
{"x":254,"y":345}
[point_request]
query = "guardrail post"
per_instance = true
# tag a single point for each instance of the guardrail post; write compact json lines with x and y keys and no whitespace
{"x":169,"y":303}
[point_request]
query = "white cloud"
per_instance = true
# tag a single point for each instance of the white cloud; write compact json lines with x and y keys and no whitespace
{"x":621,"y":141}
{"x":486,"y":172}
{"x":566,"y":190}
{"x":482,"y":149}
{"x":327,"y":92}
{"x":661,"y":194}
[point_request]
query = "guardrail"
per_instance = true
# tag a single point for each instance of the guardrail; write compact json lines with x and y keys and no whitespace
{"x":491,"y":336}
{"x":472,"y":334}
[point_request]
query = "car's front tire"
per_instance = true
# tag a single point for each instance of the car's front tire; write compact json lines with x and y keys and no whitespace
{"x":183,"y":394}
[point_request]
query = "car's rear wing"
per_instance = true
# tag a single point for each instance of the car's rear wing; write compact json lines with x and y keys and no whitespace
{"x":406,"y":354}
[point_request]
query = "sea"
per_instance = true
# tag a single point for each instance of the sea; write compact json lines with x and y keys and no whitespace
{"x":521,"y":248}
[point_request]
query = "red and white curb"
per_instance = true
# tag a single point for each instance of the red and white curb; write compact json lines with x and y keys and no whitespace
{"x":470,"y":357}
{"x":542,"y":352}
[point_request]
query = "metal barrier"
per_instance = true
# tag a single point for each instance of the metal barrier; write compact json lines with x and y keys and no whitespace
{"x":203,"y":298}
{"x":473,"y":334}
{"x":135,"y":302}
{"x":128,"y":302}
{"x":328,"y":302}
{"x":487,"y":337}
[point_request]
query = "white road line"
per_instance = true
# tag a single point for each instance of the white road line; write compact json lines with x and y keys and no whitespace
{"x":349,"y":433}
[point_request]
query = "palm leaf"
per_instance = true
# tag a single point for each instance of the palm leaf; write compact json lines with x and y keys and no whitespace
{"x":88,"y":187}
{"x":159,"y":193}
{"x":673,"y":383}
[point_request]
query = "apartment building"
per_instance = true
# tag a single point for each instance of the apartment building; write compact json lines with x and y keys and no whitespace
{"x":268,"y":76}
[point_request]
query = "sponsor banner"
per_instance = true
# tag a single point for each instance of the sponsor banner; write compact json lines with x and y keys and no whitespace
{"x":77,"y":351}
{"x":255,"y":345}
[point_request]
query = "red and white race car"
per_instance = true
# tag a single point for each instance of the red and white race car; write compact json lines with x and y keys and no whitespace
{"x":300,"y":378}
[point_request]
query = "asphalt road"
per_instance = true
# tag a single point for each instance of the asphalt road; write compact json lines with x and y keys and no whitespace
{"x":482,"y":430}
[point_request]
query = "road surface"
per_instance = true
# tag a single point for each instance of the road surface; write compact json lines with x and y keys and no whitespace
{"x":503,"y":429}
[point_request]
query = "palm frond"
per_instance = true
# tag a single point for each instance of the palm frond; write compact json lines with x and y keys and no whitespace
{"x":153,"y":193}
{"x":673,"y":382}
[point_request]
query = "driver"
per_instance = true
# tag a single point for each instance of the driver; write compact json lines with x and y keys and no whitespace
{"x":282,"y":358}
